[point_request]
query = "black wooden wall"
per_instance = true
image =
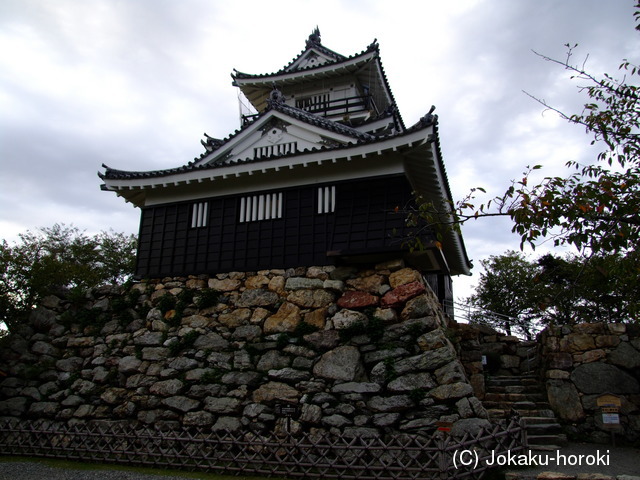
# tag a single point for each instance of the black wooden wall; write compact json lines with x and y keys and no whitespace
{"x":363,"y":223}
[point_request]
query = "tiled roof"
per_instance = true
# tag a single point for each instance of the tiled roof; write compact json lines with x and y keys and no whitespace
{"x":213,"y":144}
{"x":362,"y":138}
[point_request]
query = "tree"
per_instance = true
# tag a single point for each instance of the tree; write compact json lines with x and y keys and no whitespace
{"x":506,"y":294}
{"x":598,"y":289}
{"x":516,"y":294}
{"x":595,"y":207}
{"x":59,"y":257}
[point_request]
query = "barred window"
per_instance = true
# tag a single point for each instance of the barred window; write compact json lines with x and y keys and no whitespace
{"x":326,"y":199}
{"x":278,"y":149}
{"x":260,"y":207}
{"x":199,"y":214}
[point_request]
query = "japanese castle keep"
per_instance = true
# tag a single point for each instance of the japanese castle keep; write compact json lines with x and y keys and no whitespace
{"x":314,"y":178}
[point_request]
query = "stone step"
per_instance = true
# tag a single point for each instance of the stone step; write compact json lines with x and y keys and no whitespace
{"x":514,"y":388}
{"x":510,"y":380}
{"x":537,"y":420}
{"x":558,"y":439}
{"x":545,"y":448}
{"x":523,"y":405}
{"x":545,"y":413}
{"x":543,"y":428}
{"x":514,"y":397}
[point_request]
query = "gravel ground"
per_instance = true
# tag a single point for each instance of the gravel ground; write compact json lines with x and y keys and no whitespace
{"x":33,"y":470}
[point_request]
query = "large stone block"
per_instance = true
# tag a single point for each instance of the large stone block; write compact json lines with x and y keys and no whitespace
{"x":396,"y":403}
{"x":323,"y":340}
{"x":210,"y":341}
{"x":285,"y":320}
{"x":355,"y":299}
{"x":222,"y":405}
{"x":226,"y":285}
{"x":342,"y":363}
{"x":316,"y":318}
{"x":299,"y":283}
{"x":451,"y":391}
{"x":167,"y":388}
{"x":397,"y":297}
{"x":429,"y":360}
{"x":421,"y":306}
{"x":432,"y":340}
{"x":345,"y":319}
{"x":564,"y":400}
{"x":625,"y":356}
{"x":411,"y":381}
{"x":197,"y":419}
{"x":71,"y":364}
{"x":370,"y":283}
{"x":149,"y":339}
{"x":15,"y":406}
{"x":236,"y":318}
{"x":577,"y":342}
{"x":471,"y":426}
{"x":404,"y":276}
{"x":257,"y":297}
{"x":311,"y":298}
{"x":274,"y":391}
{"x":603,"y":378}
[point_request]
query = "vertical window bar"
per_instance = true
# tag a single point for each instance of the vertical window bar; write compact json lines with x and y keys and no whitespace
{"x":280,"y":205}
{"x":247,"y":217}
{"x":261,"y":207}
{"x":333,"y":198}
{"x":199,"y":209}
{"x":205,"y":214}
{"x":327,"y":198}
{"x":320,"y":202}
{"x":254,"y":208}
{"x":267,"y":207}
{"x":242,"y":209}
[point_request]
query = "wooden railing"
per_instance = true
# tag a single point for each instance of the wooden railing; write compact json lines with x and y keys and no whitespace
{"x":325,"y":107}
{"x":397,"y":456}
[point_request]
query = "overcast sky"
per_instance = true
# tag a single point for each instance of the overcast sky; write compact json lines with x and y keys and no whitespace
{"x":135,"y":84}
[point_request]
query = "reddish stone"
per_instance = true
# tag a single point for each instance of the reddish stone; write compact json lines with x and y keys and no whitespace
{"x":399,"y":296}
{"x":353,"y":299}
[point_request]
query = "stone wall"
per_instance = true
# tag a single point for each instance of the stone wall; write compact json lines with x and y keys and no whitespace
{"x":584,"y":361}
{"x":355,"y":351}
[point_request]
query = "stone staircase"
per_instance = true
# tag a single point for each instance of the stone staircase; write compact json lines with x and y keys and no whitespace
{"x":525,"y":395}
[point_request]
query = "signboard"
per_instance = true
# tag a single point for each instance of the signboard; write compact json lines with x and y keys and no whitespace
{"x":286,"y":409}
{"x":610,"y":419}
{"x":608,"y":400}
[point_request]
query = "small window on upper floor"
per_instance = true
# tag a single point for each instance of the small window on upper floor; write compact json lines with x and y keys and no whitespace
{"x":266,"y":206}
{"x":199,"y":214}
{"x":277,"y":149}
{"x":326,"y":199}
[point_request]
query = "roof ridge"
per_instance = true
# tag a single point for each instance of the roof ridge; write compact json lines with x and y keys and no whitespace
{"x":372,"y":47}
